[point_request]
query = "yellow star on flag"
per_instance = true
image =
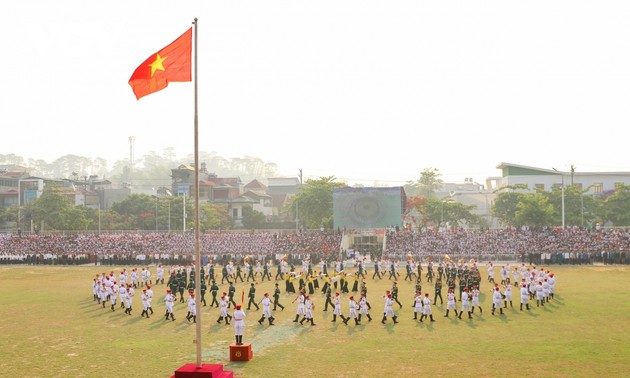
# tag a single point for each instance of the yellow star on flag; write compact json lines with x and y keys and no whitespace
{"x":157,"y":64}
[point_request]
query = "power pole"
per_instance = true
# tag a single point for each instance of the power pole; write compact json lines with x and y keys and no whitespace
{"x":297,"y":221}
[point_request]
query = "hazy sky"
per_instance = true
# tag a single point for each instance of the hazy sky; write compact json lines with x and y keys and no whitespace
{"x":361,"y":90}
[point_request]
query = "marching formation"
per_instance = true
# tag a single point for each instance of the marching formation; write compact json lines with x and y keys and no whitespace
{"x":463,"y":283}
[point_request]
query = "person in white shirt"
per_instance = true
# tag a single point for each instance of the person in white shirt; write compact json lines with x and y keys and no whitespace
{"x":524,"y":296}
{"x":266,"y":313}
{"x":150,"y":298}
{"x":450,"y":302}
{"x":145,"y":303}
{"x":497,"y":298}
{"x":465,"y":304}
{"x":113,"y":294}
{"x":389,"y":311}
{"x":192,"y":307}
{"x":122,"y":295}
{"x":352,"y":312}
{"x":300,"y":307}
{"x":169,"y":299}
{"x":308,"y":310}
{"x":418,"y":306}
{"x":475,"y":300}
{"x":129,"y":299}
{"x":363,"y":308}
{"x":427,"y":308}
{"x":160,"y":274}
{"x":223,"y":305}
{"x":540,"y":294}
{"x":507,"y":293}
{"x":337,"y":309}
{"x":239,"y":324}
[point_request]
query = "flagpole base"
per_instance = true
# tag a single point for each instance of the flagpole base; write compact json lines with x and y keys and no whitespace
{"x":205,"y":371}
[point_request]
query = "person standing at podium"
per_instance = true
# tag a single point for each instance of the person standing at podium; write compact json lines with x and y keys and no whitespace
{"x":238,"y":318}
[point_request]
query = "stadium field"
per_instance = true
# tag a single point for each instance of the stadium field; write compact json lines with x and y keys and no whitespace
{"x":52,"y":327}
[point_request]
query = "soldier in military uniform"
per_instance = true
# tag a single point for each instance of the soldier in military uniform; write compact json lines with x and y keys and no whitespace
{"x":252,"y":297}
{"x":173,"y":284}
{"x":231,"y":292}
{"x":438,"y":291}
{"x":211,"y":273}
{"x":266,"y":272}
{"x":214,"y":289}
{"x":225,"y":275}
{"x":181,"y":285}
{"x":430,"y":273}
{"x":238,"y":273}
{"x":328,"y":295}
{"x":377,"y":270}
{"x":203,"y":292}
{"x":395,"y":293}
{"x":408,"y":271}
{"x":276,"y":298}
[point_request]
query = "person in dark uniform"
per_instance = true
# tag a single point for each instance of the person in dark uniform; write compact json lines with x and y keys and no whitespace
{"x":252,"y":297}
{"x":238,"y":273}
{"x":364,"y":294}
{"x":377,"y":270}
{"x":392,"y":270}
{"x":250,"y":273}
{"x":211,"y":273}
{"x":328,"y":296}
{"x":181,"y":286}
{"x":231,"y":292}
{"x":266,"y":272}
{"x":214,"y":289}
{"x":395,"y":293}
{"x":418,"y":290}
{"x":438,"y":291}
{"x":173,"y":284}
{"x":276,"y":298}
{"x":408,"y":271}
{"x":225,"y":275}
{"x":440,"y":271}
{"x":203,"y":292}
{"x":430,"y":272}
{"x":279,"y":271}
{"x":420,"y":270}
{"x":462,"y":286}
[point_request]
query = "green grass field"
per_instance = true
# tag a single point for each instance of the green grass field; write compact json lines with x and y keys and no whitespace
{"x":51,"y":327}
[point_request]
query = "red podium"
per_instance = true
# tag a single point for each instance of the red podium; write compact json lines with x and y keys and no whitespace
{"x":205,"y":371}
{"x":241,"y":352}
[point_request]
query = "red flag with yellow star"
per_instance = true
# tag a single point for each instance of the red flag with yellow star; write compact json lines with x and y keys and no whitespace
{"x":172,"y":63}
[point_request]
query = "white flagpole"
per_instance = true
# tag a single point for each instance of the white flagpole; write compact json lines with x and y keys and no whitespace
{"x":197,"y":253}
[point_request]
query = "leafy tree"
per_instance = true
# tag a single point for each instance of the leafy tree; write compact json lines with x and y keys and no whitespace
{"x":616,"y":207}
{"x":506,"y":204}
{"x":534,"y":210}
{"x":440,"y":212}
{"x":253,"y":219}
{"x":139,"y":211}
{"x":579,"y":209}
{"x":426,"y":186}
{"x":314,"y":202}
{"x":212,"y":216}
{"x":55,"y":210}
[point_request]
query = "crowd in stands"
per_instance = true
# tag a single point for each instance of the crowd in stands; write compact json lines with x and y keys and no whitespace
{"x":574,"y":246}
{"x":141,"y":248}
